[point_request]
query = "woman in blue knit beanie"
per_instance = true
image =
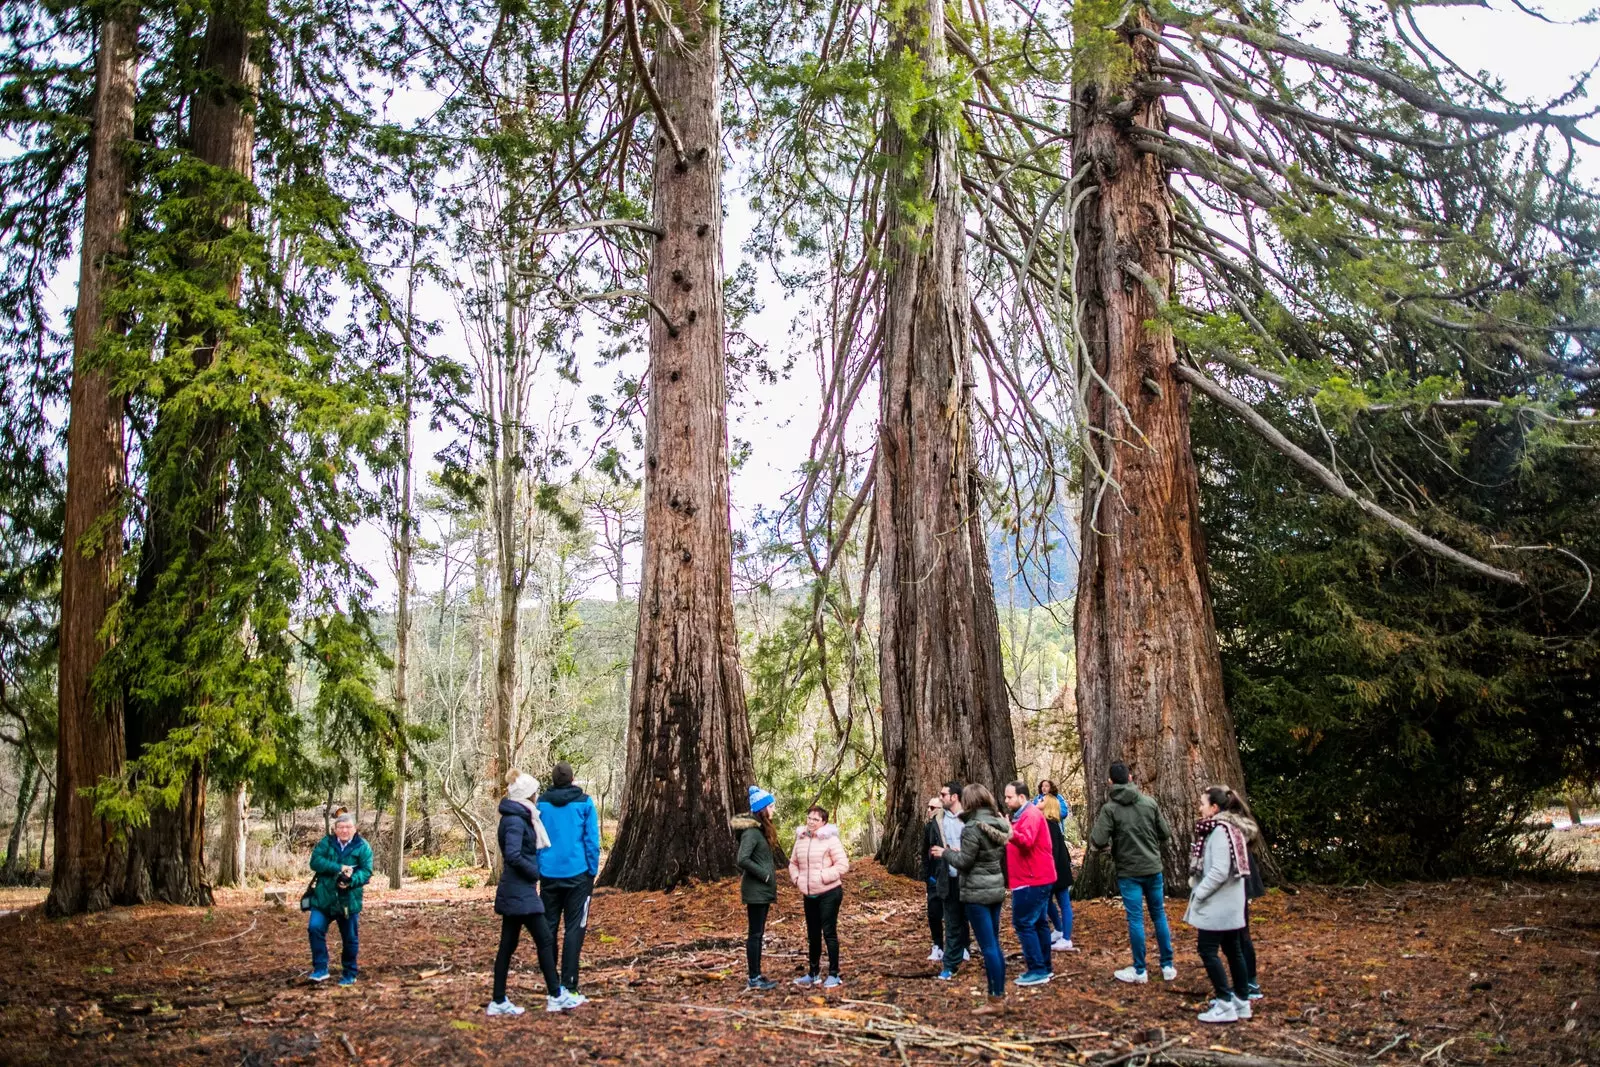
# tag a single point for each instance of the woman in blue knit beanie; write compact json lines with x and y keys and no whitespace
{"x":758,"y":849}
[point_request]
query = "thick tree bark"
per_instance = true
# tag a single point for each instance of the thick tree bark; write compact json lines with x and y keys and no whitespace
{"x":166,"y":858}
{"x":1149,"y":673}
{"x":235,"y":836}
{"x":945,"y":712}
{"x":90,"y":745}
{"x":689,"y":758}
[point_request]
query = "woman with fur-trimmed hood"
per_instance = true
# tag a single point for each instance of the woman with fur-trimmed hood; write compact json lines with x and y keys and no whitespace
{"x":758,"y":888}
{"x":817,"y":867}
{"x":980,"y":859}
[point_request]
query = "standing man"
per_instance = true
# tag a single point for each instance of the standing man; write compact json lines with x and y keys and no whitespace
{"x":955,"y":916}
{"x":1031,"y":877}
{"x":568,"y":866}
{"x":1134,"y":829}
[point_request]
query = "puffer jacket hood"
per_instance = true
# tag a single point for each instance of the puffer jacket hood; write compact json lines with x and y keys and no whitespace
{"x":980,"y":859}
{"x":740,"y":823}
{"x":562,"y":795}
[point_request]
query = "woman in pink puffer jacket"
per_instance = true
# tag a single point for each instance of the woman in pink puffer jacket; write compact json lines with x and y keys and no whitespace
{"x":817,"y":867}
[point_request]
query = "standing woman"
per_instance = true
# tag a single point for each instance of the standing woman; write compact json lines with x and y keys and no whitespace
{"x":758,"y":847}
{"x":817,"y":867}
{"x":1218,"y":866}
{"x":342,"y":862}
{"x":1237,"y":812}
{"x":932,"y":871}
{"x":983,"y":885}
{"x":1056,"y":811}
{"x":516,"y":901}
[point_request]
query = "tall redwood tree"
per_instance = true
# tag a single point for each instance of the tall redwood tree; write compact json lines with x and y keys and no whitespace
{"x":90,"y":746}
{"x":689,"y":757}
{"x":945,"y":711}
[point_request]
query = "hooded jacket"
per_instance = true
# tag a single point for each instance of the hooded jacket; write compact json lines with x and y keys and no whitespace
{"x":574,"y":830}
{"x":759,"y":885}
{"x":1030,"y":860}
{"x":518,"y":892}
{"x":1134,"y":828}
{"x":1254,"y":885}
{"x":326,"y":860}
{"x":980,"y":857}
{"x":818,"y":862}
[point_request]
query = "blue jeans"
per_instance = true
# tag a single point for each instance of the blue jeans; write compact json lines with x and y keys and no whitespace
{"x":1061,"y":912}
{"x":1033,"y":928}
{"x":349,"y":935}
{"x":1136,"y":894}
{"x":985,"y":922}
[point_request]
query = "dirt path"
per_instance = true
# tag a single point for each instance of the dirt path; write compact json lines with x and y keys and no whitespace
{"x":1461,"y":973}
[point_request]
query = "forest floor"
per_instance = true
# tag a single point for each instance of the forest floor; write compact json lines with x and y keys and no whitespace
{"x":1442,"y":974}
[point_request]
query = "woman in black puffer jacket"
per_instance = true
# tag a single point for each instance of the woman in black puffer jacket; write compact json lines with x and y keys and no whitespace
{"x":516,"y":900}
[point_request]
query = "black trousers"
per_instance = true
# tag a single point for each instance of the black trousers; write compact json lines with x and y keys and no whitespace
{"x":1248,"y":947}
{"x":822,"y":925}
{"x":566,"y":902}
{"x":956,"y":935}
{"x":511,"y":927}
{"x":1225,"y":942}
{"x":935,"y":914}
{"x":755,"y":931}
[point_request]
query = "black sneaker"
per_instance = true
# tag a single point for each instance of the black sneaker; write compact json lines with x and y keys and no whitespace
{"x":761,"y":981}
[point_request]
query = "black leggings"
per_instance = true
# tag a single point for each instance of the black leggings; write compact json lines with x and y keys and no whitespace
{"x":1227,"y":941}
{"x":822,"y":924}
{"x":935,"y":915}
{"x":757,"y":914}
{"x":1248,"y":947}
{"x":510,"y":933}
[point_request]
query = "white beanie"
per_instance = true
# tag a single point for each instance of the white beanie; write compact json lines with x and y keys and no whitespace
{"x":523,"y":790}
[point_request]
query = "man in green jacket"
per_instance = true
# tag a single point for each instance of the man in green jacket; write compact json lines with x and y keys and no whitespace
{"x":1132,"y":826}
{"x":343,"y":864}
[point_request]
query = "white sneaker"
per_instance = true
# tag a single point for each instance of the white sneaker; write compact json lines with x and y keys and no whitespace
{"x":573,"y":999}
{"x":1221,"y":1011}
{"x":503,"y":1007}
{"x":1241,"y":1008}
{"x":556,"y":1005}
{"x":937,"y":954}
{"x":966,"y":954}
{"x":1169,"y":974}
{"x":1128,"y":974}
{"x":1062,"y":945}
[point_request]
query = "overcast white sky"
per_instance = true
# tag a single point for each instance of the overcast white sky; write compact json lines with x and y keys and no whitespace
{"x":1536,"y":61}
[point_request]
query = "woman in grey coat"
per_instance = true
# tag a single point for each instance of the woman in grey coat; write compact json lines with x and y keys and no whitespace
{"x":1218,"y":866}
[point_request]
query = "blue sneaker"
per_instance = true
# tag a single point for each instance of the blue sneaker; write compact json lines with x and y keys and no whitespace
{"x":1035,"y":978}
{"x":946,"y":975}
{"x":348,"y":979}
{"x":319,"y":976}
{"x":806,"y":981}
{"x":761,"y":981}
{"x":833,"y":981}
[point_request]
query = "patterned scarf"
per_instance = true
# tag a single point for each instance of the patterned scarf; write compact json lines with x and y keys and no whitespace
{"x":1238,"y":854}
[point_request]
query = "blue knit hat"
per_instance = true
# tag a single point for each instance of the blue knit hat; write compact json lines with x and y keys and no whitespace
{"x":759,"y":798}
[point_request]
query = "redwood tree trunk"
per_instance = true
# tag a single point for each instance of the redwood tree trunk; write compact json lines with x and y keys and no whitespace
{"x":689,"y":758}
{"x":166,"y":859}
{"x":90,"y":745}
{"x":1149,"y":674}
{"x":945,"y":713}
{"x":235,"y":836}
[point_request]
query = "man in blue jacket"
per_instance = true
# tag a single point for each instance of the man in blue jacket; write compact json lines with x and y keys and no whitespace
{"x":568,"y":867}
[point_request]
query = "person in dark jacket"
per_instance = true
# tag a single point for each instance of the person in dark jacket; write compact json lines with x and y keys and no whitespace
{"x":758,"y":886}
{"x":981,"y":861}
{"x":1061,"y":892}
{"x":516,"y":900}
{"x":932,"y":838}
{"x":567,"y":868}
{"x":1134,"y":829}
{"x":342,"y":863}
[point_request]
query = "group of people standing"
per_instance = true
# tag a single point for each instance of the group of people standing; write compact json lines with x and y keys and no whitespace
{"x":976,"y":851}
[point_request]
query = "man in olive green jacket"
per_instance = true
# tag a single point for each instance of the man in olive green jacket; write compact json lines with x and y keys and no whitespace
{"x":1132,"y":826}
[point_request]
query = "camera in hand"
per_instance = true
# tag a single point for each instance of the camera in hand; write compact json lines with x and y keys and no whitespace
{"x":343,"y":882}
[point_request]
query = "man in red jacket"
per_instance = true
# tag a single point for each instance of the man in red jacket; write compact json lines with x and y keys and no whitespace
{"x":1031,"y":874}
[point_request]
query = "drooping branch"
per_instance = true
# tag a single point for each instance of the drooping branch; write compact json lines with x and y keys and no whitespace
{"x":1331,"y":481}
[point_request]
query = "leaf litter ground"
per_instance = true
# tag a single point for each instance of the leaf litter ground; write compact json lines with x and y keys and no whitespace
{"x":1456,"y":973}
